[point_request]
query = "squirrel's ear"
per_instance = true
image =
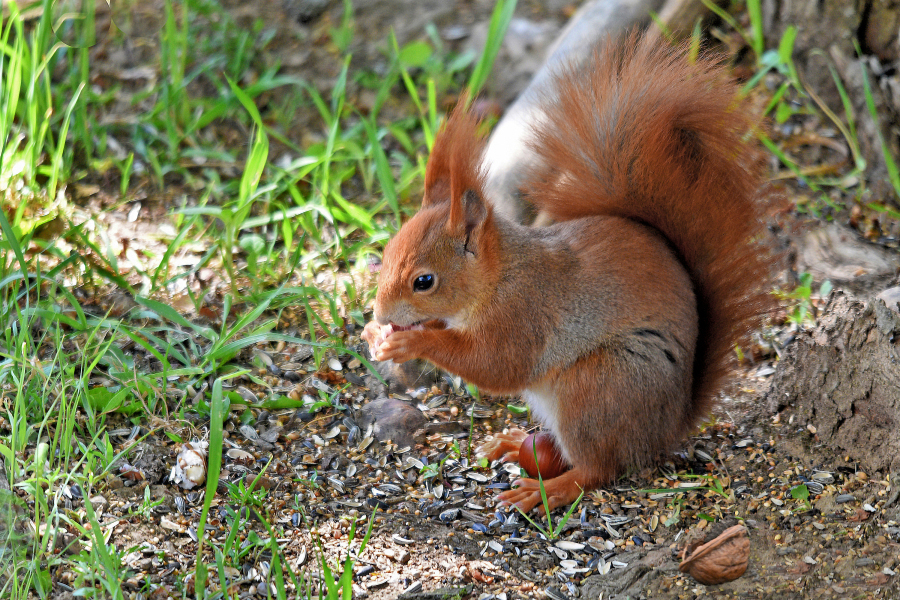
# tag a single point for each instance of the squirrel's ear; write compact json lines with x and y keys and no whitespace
{"x":468,"y":213}
{"x":436,"y":191}
{"x":455,"y":161}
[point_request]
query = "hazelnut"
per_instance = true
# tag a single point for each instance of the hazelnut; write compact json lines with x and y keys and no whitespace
{"x":725,"y":558}
{"x":550,"y":460}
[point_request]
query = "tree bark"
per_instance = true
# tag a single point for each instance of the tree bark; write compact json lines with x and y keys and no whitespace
{"x":843,"y":378}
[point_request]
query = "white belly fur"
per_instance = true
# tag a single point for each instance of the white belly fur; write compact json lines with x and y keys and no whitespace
{"x":542,"y":402}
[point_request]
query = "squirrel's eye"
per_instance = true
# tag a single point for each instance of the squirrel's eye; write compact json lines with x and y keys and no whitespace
{"x":423,"y":283}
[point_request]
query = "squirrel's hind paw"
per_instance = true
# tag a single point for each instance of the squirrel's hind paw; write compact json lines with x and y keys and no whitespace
{"x":526,"y":496}
{"x":560,"y":491}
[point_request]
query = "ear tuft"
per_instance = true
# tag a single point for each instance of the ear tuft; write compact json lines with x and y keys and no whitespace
{"x":454,"y":166}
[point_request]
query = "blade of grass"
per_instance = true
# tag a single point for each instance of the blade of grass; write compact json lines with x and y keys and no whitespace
{"x":893,"y":171}
{"x":500,"y":18}
{"x":213,"y":468}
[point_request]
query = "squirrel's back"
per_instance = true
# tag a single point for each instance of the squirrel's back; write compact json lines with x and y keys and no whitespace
{"x":643,"y":132}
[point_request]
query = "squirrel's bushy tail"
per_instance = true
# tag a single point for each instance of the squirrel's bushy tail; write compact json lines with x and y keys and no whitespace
{"x":642,"y":132}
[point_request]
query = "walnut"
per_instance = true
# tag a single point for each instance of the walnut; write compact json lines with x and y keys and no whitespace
{"x":725,"y":558}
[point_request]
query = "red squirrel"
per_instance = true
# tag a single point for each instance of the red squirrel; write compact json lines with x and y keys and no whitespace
{"x":618,"y":322}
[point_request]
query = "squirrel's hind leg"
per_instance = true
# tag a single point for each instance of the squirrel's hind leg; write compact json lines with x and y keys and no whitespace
{"x":631,"y":405}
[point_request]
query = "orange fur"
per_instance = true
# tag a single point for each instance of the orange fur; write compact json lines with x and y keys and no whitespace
{"x":617,"y":323}
{"x":669,"y":152}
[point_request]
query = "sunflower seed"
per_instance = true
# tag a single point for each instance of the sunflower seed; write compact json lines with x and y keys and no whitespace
{"x":414,"y":588}
{"x":399,"y":539}
{"x":436,"y":401}
{"x":512,"y":468}
{"x":703,"y":455}
{"x":449,"y":515}
{"x":823,"y":477}
{"x":603,"y":567}
{"x":569,"y":545}
{"x":554,"y":594}
{"x":412,"y":462}
{"x":238,"y":454}
{"x":815,"y":488}
{"x":610,"y":530}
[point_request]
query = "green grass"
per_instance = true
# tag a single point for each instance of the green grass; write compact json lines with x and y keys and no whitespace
{"x":69,"y":365}
{"x":793,"y":104}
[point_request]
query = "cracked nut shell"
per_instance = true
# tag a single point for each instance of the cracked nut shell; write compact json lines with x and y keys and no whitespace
{"x":723,"y":559}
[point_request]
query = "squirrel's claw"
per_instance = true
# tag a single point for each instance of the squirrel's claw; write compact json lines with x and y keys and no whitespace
{"x":526,"y":496}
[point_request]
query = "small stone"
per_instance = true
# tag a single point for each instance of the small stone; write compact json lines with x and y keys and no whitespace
{"x":252,"y":483}
{"x":843,"y":498}
{"x":393,"y":420}
{"x":99,"y":502}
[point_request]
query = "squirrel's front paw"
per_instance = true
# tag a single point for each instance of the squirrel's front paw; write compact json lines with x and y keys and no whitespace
{"x":399,"y":346}
{"x":374,"y":334}
{"x":504,"y":445}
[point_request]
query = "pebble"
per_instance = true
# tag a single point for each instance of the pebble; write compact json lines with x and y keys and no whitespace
{"x":99,"y":502}
{"x":843,"y":498}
